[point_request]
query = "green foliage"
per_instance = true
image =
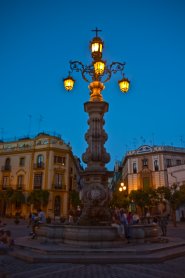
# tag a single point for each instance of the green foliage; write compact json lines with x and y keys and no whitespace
{"x":119,"y":199}
{"x":2,"y":195}
{"x":74,"y":198}
{"x":163,"y":193}
{"x":6,"y":195}
{"x":174,"y":195}
{"x":38,"y":198}
{"x":17,"y":197}
{"x":140,"y":197}
{"x":144,"y":198}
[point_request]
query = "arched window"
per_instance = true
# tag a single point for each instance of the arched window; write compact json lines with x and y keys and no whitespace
{"x":134,"y":168}
{"x":40,"y":161}
{"x":156,"y":166}
{"x":7,"y":164}
{"x":20,"y":181}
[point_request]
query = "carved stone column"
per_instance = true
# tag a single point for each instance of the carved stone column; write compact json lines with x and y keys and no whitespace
{"x":95,"y":191}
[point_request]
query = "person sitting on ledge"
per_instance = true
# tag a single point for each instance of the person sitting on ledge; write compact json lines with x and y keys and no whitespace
{"x":6,"y":240}
{"x":135,"y":218}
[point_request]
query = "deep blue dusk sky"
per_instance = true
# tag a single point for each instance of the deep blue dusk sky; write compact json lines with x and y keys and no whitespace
{"x":40,"y":37}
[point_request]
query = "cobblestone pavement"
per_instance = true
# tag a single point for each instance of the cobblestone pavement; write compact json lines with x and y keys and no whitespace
{"x":11,"y":267}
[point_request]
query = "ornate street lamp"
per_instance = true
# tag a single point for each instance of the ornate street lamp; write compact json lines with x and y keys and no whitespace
{"x":96,"y":195}
{"x":98,"y":70}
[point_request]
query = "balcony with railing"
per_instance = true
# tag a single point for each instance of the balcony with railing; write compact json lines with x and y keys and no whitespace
{"x":5,"y":187}
{"x":6,"y":168}
{"x":37,"y":187}
{"x":20,"y":186}
{"x":58,"y":186}
{"x":39,"y":166}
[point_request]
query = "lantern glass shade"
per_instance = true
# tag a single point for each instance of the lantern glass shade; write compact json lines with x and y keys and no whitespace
{"x":99,"y":67}
{"x":69,"y":83}
{"x":96,"y":48}
{"x":120,"y":189}
{"x":124,"y":85}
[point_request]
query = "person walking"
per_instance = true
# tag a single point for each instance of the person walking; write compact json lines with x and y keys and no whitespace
{"x":124,"y":223}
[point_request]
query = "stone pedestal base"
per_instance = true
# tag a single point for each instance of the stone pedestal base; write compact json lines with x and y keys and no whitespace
{"x":90,"y":236}
{"x":143,"y":233}
{"x":84,"y":236}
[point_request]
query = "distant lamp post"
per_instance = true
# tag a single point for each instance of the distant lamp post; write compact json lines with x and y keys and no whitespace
{"x":122,"y":187}
{"x":96,"y":195}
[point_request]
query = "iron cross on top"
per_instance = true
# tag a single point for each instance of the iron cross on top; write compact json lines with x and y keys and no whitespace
{"x":96,"y":30}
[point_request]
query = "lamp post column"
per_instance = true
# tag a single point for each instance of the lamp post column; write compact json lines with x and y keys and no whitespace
{"x":96,"y":195}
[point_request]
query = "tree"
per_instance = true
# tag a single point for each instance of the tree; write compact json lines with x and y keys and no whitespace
{"x":2,"y":203}
{"x":119,"y":199}
{"x":143,"y":198}
{"x":74,"y":198}
{"x":38,"y":198}
{"x":174,"y":195}
{"x":5,"y":198}
{"x":18,"y":197}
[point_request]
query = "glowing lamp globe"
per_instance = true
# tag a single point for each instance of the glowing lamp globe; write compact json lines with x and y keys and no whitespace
{"x":124,"y":85}
{"x":68,"y":83}
{"x":96,"y":46}
{"x":99,"y":67}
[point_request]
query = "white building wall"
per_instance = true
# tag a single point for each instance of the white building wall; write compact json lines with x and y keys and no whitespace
{"x":176,"y":174}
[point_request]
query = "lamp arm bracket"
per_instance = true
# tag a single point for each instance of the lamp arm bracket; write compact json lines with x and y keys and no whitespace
{"x":116,"y":66}
{"x":88,"y":71}
{"x":76,"y":66}
{"x":107,"y":75}
{"x":85,"y":70}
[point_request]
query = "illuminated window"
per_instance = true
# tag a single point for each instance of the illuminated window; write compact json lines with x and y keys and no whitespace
{"x":59,"y":160}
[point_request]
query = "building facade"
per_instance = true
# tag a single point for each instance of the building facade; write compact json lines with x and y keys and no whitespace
{"x":150,"y":167}
{"x":44,"y":162}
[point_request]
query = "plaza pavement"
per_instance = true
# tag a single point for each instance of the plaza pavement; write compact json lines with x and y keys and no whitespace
{"x":13,"y":267}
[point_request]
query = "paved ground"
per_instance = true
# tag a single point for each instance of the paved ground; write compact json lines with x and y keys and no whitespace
{"x":11,"y":267}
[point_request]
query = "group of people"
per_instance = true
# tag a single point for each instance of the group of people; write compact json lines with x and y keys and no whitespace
{"x":35,"y":220}
{"x":123,"y":219}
